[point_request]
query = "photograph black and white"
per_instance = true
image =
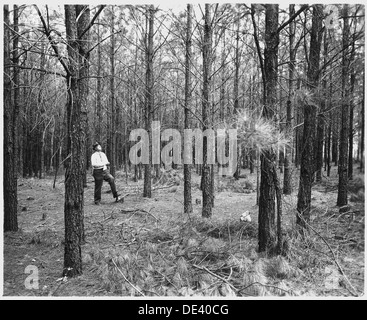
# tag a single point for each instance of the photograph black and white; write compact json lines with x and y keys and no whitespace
{"x":171,"y":150}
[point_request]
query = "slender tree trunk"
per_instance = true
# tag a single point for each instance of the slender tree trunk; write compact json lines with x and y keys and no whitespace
{"x":52,"y":145}
{"x":299,"y":133}
{"x":321,"y":121}
{"x":99,"y":118}
{"x":335,"y":139}
{"x":207,"y":60}
{"x":147,"y":192}
{"x":328,"y":149}
{"x":10,"y":123}
{"x":309,"y":127}
{"x":42,"y":111}
{"x":223,"y":79}
{"x":113,"y":102}
{"x":351,"y":115}
{"x":16,"y":80}
{"x":287,"y":181}
{"x":257,"y":176}
{"x":344,"y":125}
{"x":362,"y":132}
{"x":187,"y":167}
{"x":236,"y":174}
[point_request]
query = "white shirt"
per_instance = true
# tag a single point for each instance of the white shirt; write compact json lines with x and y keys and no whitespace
{"x":99,"y":160}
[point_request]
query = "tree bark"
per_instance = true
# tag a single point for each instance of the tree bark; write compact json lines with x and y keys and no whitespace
{"x":222,"y":111}
{"x":351,"y":115}
{"x":321,"y":120}
{"x":287,"y":180}
{"x":362,"y":132}
{"x":335,"y":139}
{"x":77,"y":82}
{"x":207,"y":61}
{"x":10,"y":138}
{"x":98,"y":110}
{"x":328,"y":149}
{"x":84,"y":45}
{"x":112,"y":157}
{"x":236,"y":174}
{"x":147,"y":192}
{"x":344,"y":124}
{"x":267,"y":228}
{"x":309,"y":127}
{"x":187,"y":167}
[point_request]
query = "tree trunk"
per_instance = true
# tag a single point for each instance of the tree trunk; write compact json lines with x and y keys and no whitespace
{"x":222,"y":112}
{"x":236,"y":174}
{"x":112,"y":158}
{"x":321,"y":120}
{"x":267,"y":228}
{"x":187,"y":167}
{"x":207,"y":61}
{"x":42,"y":111}
{"x":335,"y":140}
{"x":147,"y":192}
{"x":328,"y":155}
{"x":287,"y":180}
{"x":309,"y":127}
{"x":16,"y":80}
{"x":98,"y":109}
{"x":77,"y":82}
{"x":10,"y":124}
{"x":351,"y":115}
{"x":344,"y":124}
{"x":362,"y":132}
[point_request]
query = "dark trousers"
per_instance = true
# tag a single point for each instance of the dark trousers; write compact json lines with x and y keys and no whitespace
{"x":100,"y":175}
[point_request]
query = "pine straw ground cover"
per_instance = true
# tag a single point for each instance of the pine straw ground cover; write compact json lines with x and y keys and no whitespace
{"x":148,"y":247}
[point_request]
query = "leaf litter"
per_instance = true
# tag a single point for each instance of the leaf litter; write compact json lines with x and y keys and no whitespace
{"x":149,"y":247}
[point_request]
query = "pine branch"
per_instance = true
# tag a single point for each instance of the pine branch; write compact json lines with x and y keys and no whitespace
{"x":303,"y":8}
{"x":91,"y":23}
{"x":52,"y":42}
{"x":261,"y":59}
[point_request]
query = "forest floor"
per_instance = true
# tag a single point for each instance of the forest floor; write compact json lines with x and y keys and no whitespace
{"x":150,"y":247}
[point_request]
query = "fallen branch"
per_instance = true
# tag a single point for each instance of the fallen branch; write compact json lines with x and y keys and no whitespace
{"x":113,"y":261}
{"x":215,"y":275}
{"x":124,"y":211}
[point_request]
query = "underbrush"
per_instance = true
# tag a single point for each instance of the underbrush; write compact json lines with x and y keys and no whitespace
{"x":238,"y":186}
{"x":156,"y":251}
{"x":190,"y":257}
{"x":218,"y":257}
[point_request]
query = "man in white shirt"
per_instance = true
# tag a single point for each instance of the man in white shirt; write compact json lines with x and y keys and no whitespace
{"x":99,"y":163}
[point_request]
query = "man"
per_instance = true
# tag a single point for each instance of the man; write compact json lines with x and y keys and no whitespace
{"x":99,"y":163}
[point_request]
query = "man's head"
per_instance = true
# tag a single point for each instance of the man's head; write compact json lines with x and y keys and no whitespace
{"x":97,"y":146}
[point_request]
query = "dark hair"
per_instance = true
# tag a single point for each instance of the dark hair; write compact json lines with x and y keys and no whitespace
{"x":95,"y":145}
